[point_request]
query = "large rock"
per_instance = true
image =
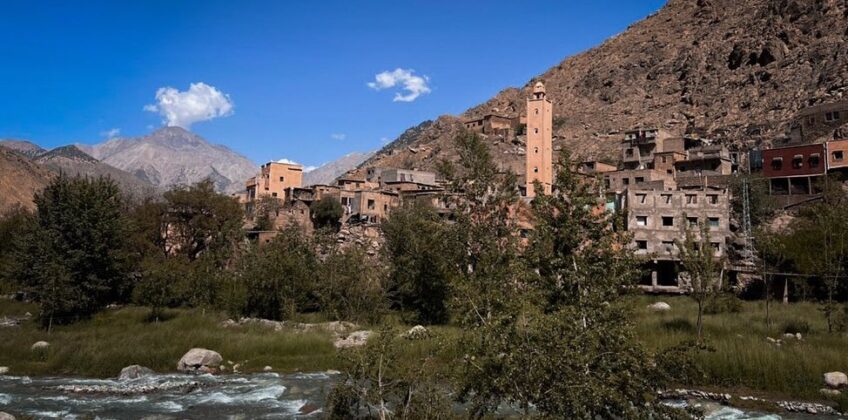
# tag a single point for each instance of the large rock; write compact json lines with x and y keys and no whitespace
{"x":134,"y":372}
{"x":835,"y":379}
{"x":659,"y":307}
{"x":199,"y":360}
{"x":40,"y":346}
{"x":417,"y":332}
{"x":6,"y":416}
{"x":354,"y":339}
{"x":4,"y":370}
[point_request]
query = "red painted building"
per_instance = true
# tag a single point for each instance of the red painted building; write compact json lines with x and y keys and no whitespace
{"x":794,"y":170}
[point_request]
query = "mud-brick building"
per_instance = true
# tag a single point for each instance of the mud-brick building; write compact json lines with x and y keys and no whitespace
{"x":658,"y":221}
{"x":273,"y":179}
{"x":493,"y":124}
{"x":817,"y":120}
{"x":640,"y":145}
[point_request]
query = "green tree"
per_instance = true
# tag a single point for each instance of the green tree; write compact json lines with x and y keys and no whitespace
{"x":702,"y":266}
{"x":484,"y":200}
{"x":351,"y":287}
{"x":327,"y":213}
{"x":16,"y":224}
{"x":267,"y":210}
{"x":197,"y":221}
{"x":157,"y":287}
{"x":566,"y":348}
{"x":77,"y":260}
{"x":424,"y":256}
{"x":279,"y":277}
{"x":760,"y":202}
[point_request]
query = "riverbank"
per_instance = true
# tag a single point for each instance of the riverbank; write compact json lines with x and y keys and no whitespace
{"x":743,"y":360}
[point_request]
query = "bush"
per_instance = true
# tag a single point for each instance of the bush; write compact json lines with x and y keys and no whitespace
{"x":327,"y":213}
{"x":723,"y":303}
{"x":796,"y":326}
{"x":351,"y":287}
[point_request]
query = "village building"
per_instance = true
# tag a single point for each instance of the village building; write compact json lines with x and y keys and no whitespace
{"x":794,"y":171}
{"x":273,"y":179}
{"x":837,"y":156}
{"x":539,"y":157}
{"x":640,"y":145}
{"x":658,"y":221}
{"x":493,"y":124}
{"x":817,"y":120}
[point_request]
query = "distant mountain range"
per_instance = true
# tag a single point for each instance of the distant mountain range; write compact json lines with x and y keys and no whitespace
{"x":73,"y":161}
{"x":20,"y":178}
{"x":173,"y":156}
{"x":328,"y":172}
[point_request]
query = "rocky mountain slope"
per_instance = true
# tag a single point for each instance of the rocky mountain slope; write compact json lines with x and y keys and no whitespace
{"x":172,"y":156}
{"x":20,"y":179}
{"x":328,"y":172}
{"x":73,"y":161}
{"x":733,"y":70}
{"x":24,"y":147}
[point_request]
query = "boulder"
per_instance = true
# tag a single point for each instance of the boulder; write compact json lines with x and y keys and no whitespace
{"x":6,"y":416}
{"x":134,"y":372}
{"x":830,"y":393}
{"x":835,"y":379}
{"x":354,"y":339}
{"x":199,"y":360}
{"x":267,"y":369}
{"x":659,"y":307}
{"x":417,"y":332}
{"x":40,"y":346}
{"x":4,"y":370}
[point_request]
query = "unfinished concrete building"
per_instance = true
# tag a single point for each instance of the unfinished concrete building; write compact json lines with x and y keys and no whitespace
{"x":658,"y":221}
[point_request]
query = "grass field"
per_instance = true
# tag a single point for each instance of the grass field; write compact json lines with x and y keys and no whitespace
{"x":742,"y":360}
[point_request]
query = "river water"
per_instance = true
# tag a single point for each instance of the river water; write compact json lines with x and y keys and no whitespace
{"x":174,"y":396}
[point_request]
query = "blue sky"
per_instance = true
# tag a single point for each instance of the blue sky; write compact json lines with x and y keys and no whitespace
{"x":281,"y":79}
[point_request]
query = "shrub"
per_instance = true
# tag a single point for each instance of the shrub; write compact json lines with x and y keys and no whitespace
{"x":796,"y":326}
{"x":723,"y":303}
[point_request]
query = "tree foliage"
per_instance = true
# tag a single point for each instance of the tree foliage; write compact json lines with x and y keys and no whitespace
{"x":326,"y":213}
{"x":350,"y":287}
{"x":424,"y":256}
{"x":702,"y":267}
{"x":77,"y":259}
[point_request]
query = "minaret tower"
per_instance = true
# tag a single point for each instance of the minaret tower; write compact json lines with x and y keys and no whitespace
{"x":539,"y":140}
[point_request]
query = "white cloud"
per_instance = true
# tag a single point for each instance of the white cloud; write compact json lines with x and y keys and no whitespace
{"x":112,"y":133}
{"x":287,"y":162}
{"x":406,"y":79}
{"x":338,"y":136}
{"x":200,"y":102}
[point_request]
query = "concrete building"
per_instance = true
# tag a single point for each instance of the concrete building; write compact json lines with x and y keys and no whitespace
{"x":539,"y":157}
{"x":641,"y":179}
{"x":405,"y":175}
{"x":659,"y":219}
{"x":372,"y":206}
{"x":592,"y":167}
{"x":273,"y":179}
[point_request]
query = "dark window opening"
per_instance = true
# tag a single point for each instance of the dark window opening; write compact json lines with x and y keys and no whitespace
{"x":777,"y":164}
{"x":642,"y":245}
{"x":668,"y":221}
{"x":838,"y":155}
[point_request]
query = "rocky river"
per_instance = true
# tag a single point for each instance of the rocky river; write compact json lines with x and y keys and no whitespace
{"x":180,"y":396}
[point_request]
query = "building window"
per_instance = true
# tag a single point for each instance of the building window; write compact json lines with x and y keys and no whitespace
{"x":814,"y":160}
{"x":537,"y":111}
{"x":714,"y":222}
{"x":606,"y":183}
{"x":668,"y":246}
{"x":669,"y":172}
{"x":641,"y":220}
{"x":716,"y":246}
{"x":691,"y":199}
{"x":668,"y":221}
{"x":663,"y":159}
{"x":640,"y":179}
{"x":838,"y":155}
{"x":831,"y":116}
{"x":798,"y":161}
{"x":642,"y":245}
{"x":712,"y":198}
{"x":370,"y":204}
{"x":282,"y":178}
{"x":628,"y":152}
{"x":625,"y":181}
{"x":692,"y":221}
{"x":273,"y":194}
{"x":666,"y":198}
{"x":535,"y":170}
{"x":641,"y":198}
{"x":777,"y":163}
{"x":535,"y":150}
{"x":536,"y":130}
